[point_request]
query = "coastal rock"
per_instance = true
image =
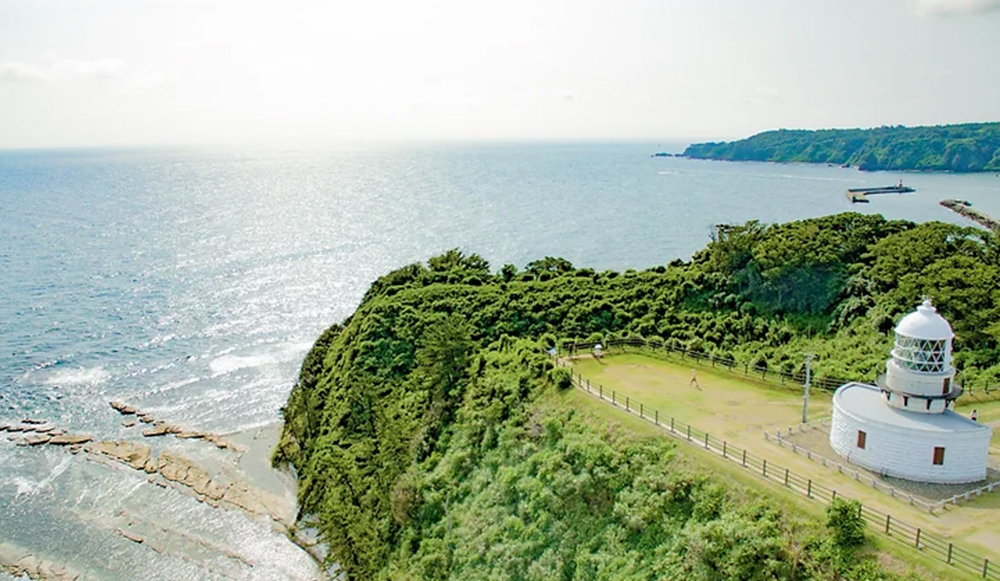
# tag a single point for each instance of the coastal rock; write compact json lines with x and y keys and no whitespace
{"x":131,"y":536}
{"x":4,"y":427}
{"x":182,"y":471}
{"x":145,"y":418}
{"x":124,"y":409}
{"x":69,"y":440}
{"x":45,"y":429}
{"x":38,"y":439}
{"x":29,"y":566}
{"x":133,"y":454}
{"x":33,"y":421}
{"x":16,"y":428}
{"x":156,"y":430}
{"x":191,"y":435}
{"x":20,"y":563}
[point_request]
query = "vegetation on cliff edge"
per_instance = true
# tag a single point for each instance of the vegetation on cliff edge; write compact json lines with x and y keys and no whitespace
{"x":970,"y":147}
{"x":428,"y":445}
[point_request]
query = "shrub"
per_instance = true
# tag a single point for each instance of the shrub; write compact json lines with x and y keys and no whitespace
{"x":561,"y":377}
{"x":843,"y":518}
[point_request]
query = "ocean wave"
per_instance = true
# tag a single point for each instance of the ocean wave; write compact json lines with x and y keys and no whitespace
{"x":279,"y":353}
{"x":80,"y":376}
{"x":27,"y":487}
{"x":230,"y":363}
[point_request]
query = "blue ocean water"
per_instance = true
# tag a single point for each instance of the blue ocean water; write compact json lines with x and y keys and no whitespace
{"x":191,"y":283}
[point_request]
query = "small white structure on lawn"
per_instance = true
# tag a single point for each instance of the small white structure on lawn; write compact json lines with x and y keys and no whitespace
{"x":905,"y":427}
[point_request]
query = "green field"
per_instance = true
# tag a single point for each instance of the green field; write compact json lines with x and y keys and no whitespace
{"x":740,"y":410}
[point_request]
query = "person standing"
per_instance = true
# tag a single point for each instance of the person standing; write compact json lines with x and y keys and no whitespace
{"x":694,"y":380}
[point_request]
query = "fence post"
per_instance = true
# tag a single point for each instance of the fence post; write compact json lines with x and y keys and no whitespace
{"x":833,"y":495}
{"x":764,"y":468}
{"x":689,"y":432}
{"x":724,"y":454}
{"x":986,"y":567}
{"x":706,"y":440}
{"x":602,"y":390}
{"x":613,"y":396}
{"x":744,"y":458}
{"x":786,"y":476}
{"x":888,"y":520}
{"x":809,"y":489}
{"x":640,"y":410}
{"x":657,"y":417}
{"x":672,"y":424}
{"x":626,"y":403}
{"x":950,"y":546}
{"x":917,"y":543}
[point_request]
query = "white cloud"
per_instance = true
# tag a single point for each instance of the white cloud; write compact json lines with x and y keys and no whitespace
{"x":760,"y":95}
{"x":51,"y":70}
{"x":949,"y":7}
{"x":54,"y":71}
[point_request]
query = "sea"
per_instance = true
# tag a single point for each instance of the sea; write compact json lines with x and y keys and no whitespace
{"x":191,"y":282}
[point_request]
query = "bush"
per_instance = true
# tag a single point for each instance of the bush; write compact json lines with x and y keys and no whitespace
{"x":843,"y":518}
{"x":561,"y":377}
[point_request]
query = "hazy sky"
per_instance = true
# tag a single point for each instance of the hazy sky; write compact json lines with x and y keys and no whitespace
{"x":295,"y":73}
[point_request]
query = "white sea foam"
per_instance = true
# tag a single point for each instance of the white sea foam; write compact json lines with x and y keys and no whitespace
{"x":279,"y":353}
{"x":230,"y":363}
{"x":88,"y":376}
{"x":28,"y":487}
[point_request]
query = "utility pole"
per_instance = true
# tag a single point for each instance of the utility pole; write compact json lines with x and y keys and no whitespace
{"x":805,"y":398}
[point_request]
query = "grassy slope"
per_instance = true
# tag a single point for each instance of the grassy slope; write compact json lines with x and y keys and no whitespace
{"x":900,"y":560}
{"x":750,"y":408}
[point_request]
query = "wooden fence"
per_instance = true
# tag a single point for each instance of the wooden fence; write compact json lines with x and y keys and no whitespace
{"x":883,"y":523}
{"x":761,"y":372}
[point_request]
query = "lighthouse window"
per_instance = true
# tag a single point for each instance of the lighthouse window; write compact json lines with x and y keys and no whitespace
{"x":938,"y":455}
{"x":947,"y":386}
{"x":906,"y":400}
{"x":921,"y":355}
{"x":928,"y":404}
{"x":862,"y":439}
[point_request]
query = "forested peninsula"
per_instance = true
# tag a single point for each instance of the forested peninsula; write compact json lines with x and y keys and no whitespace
{"x":969,"y":147}
{"x":433,"y":437}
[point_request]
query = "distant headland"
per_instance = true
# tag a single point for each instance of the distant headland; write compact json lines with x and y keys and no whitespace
{"x":969,"y":147}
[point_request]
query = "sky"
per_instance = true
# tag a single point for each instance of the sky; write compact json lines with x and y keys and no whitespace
{"x":298,"y":73}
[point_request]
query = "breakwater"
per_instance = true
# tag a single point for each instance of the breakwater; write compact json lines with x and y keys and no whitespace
{"x":964,"y":208}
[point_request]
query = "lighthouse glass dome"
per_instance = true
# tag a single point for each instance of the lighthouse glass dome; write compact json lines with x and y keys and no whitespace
{"x":923,"y":341}
{"x":923,"y":355}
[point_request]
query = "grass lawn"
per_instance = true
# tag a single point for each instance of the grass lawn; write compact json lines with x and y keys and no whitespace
{"x":740,"y":410}
{"x":895,"y":556}
{"x":722,"y":404}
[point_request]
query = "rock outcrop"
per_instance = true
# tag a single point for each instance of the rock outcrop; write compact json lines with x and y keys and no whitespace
{"x":18,"y":562}
{"x":159,"y":428}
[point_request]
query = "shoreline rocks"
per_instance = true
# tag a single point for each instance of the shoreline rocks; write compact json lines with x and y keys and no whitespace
{"x":18,"y":562}
{"x":158,"y":428}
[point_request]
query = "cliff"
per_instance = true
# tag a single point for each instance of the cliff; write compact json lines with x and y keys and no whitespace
{"x":972,"y":147}
{"x":432,"y":440}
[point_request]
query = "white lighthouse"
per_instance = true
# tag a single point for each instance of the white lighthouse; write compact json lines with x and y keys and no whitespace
{"x":905,"y":426}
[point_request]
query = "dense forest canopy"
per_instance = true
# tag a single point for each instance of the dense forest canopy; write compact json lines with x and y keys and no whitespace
{"x":428,"y":445}
{"x":970,"y":147}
